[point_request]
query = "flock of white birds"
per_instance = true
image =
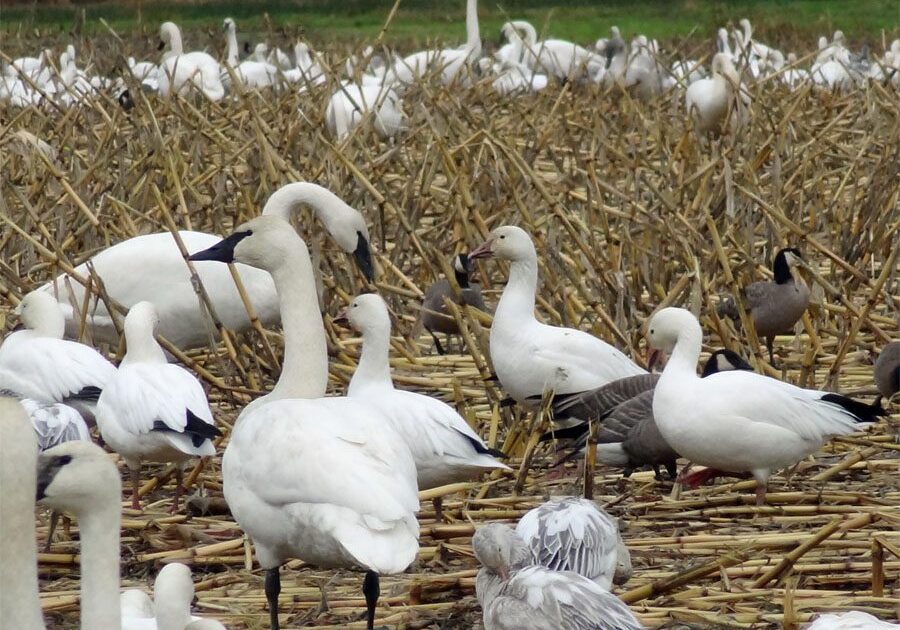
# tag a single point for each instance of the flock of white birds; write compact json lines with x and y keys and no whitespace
{"x":333,"y":480}
{"x":375,"y":81}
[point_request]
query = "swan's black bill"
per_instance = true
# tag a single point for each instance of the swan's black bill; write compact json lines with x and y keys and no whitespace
{"x":47,"y":469}
{"x":363,"y":256}
{"x":223,"y":251}
{"x":161,"y":45}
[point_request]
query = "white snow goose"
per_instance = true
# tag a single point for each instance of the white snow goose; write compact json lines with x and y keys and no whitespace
{"x":153,"y":410}
{"x":740,"y":421}
{"x":574,"y":534}
{"x":445,"y":448}
{"x":37,"y":363}
{"x":528,"y":356}
{"x":537,"y":598}
{"x":165,"y":280}
{"x":321,"y":479}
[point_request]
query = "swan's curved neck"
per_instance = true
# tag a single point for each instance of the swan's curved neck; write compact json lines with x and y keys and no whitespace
{"x":530,"y":33}
{"x":473,"y":37}
{"x":232,"y":46}
{"x":20,"y":606}
{"x":374,"y":364}
{"x":304,"y":373}
{"x":517,"y":299}
{"x":99,"y":528}
{"x":175,"y":44}
{"x":328,"y":208}
{"x":171,"y":615}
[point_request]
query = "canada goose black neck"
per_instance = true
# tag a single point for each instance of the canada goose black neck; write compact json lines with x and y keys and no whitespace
{"x":781,"y":267}
{"x":462,"y":276}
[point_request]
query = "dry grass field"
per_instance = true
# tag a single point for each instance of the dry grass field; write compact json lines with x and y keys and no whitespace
{"x":629,"y":213}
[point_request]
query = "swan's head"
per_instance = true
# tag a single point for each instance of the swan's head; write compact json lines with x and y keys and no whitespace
{"x":77,"y":477}
{"x":838,"y":38}
{"x":500,"y":549}
{"x":41,"y":312}
{"x":745,"y":24}
{"x":507,"y":31}
{"x":506,"y":243}
{"x":722,"y":64}
{"x":173,"y":591}
{"x":665,"y":327}
{"x":725,"y":361}
{"x":601,"y":44}
{"x":792,"y":58}
{"x":261,"y":50}
{"x":823,"y":42}
{"x":614,"y":32}
{"x":366,"y":314}
{"x":229,"y":26}
{"x":262,"y":242}
{"x":168,"y":31}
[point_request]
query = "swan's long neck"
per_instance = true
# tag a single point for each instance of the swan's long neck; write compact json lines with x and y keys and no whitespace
{"x":374,"y":365}
{"x":517,"y":300}
{"x":328,"y":208}
{"x":175,"y":44}
{"x":100,"y":566}
{"x":171,"y":615}
{"x":304,"y":373}
{"x":473,"y":37}
{"x":530,"y":33}
{"x":20,"y":606}
{"x":232,"y":46}
{"x":141,"y":346}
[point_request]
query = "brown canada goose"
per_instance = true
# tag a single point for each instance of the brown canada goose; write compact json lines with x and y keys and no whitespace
{"x":434,"y":317}
{"x":629,"y":437}
{"x":775,"y":305}
{"x":887,"y":370}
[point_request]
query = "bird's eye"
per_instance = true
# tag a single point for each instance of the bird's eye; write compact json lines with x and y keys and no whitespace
{"x":502,"y":236}
{"x":652,"y":331}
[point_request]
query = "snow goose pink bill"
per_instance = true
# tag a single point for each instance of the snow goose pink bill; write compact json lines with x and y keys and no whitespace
{"x":445,"y":448}
{"x":739,"y":421}
{"x":531,"y":358}
{"x":516,"y":596}
{"x":321,"y":479}
{"x":153,"y":410}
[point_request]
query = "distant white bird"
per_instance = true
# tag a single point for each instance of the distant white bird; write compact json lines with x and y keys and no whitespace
{"x":445,"y":448}
{"x":449,"y":63}
{"x":739,"y":421}
{"x":146,"y":72}
{"x":574,"y":534}
{"x":170,"y":608}
{"x":794,"y":76}
{"x":181,"y":72}
{"x":55,"y":423}
{"x":37,"y":363}
{"x":556,"y":57}
{"x":308,"y":71}
{"x":350,"y":104}
{"x":531,"y":358}
{"x":718,"y":101}
{"x":321,"y":479}
{"x":252,"y":74}
{"x":153,"y":410}
{"x":537,"y":598}
{"x":20,"y":605}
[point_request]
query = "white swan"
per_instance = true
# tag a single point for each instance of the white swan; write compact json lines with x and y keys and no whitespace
{"x":321,"y":479}
{"x":537,"y":598}
{"x":181,"y":72}
{"x":528,"y":356}
{"x":38,"y":363}
{"x":644,"y":77}
{"x":853,"y":620}
{"x":445,"y":448}
{"x":20,"y":606}
{"x":513,"y":76}
{"x":79,"y":477}
{"x":794,"y":76}
{"x":251,"y":74}
{"x":711,"y":103}
{"x":449,"y":62}
{"x":308,"y":71}
{"x":350,"y":104}
{"x":151,"y":267}
{"x":153,"y":410}
{"x":739,"y":421}
{"x":574,"y":534}
{"x":556,"y":57}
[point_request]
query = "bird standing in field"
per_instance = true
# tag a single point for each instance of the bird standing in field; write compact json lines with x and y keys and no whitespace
{"x":152,"y":410}
{"x":433,"y":316}
{"x":774,"y":305}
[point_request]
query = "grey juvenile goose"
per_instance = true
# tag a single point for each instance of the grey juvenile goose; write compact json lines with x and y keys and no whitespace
{"x":775,"y":305}
{"x":434,"y":317}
